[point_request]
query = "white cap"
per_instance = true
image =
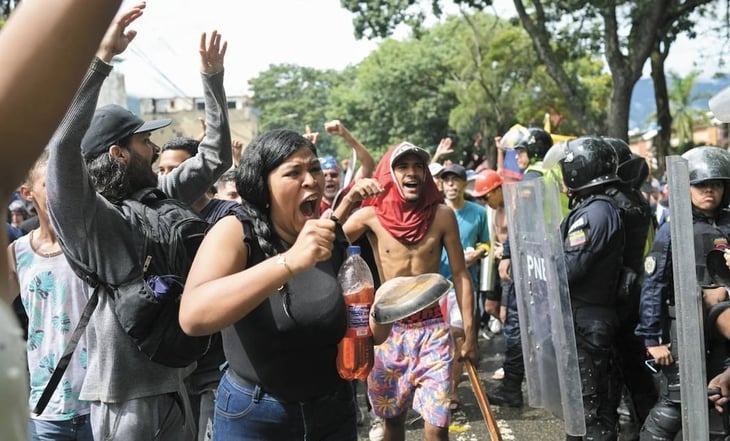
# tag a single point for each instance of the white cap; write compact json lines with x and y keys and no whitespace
{"x":435,"y":168}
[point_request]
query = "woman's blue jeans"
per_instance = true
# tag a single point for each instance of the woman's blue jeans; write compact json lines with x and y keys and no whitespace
{"x":247,"y":413}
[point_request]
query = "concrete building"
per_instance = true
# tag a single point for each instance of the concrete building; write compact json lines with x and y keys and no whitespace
{"x":185,"y":112}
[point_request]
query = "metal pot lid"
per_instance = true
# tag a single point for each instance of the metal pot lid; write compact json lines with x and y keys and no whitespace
{"x":402,"y":296}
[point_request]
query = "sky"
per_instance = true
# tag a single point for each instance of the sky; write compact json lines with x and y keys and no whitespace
{"x":163,"y":59}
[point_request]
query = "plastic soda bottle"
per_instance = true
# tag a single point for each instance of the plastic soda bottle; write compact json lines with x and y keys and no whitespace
{"x":355,"y":351}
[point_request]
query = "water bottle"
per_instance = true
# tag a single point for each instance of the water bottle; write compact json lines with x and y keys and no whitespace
{"x":355,"y":351}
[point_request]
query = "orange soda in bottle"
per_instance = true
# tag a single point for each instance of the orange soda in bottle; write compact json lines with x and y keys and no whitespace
{"x":355,"y":351}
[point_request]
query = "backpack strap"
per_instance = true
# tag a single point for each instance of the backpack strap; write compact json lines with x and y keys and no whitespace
{"x":68,"y":352}
{"x":149,"y":193}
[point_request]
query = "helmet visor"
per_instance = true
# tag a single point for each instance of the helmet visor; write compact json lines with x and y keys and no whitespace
{"x":720,"y":105}
{"x":515,"y":135}
{"x":556,"y":154}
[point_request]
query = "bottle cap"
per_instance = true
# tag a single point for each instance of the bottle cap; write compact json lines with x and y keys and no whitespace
{"x":353,"y":249}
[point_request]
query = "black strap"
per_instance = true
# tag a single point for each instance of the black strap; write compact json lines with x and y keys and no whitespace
{"x":148,"y":193}
{"x":66,"y":357}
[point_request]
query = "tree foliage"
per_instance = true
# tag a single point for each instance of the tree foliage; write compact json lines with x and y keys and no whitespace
{"x":473,"y":74}
{"x":624,"y":32}
{"x":686,"y":116}
{"x":291,"y":97}
{"x":499,"y":81}
{"x":398,"y":93}
{"x":379,"y":18}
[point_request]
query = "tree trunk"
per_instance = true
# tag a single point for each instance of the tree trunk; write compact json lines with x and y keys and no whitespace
{"x":618,"y":114}
{"x":663,"y":114}
{"x":541,"y":41}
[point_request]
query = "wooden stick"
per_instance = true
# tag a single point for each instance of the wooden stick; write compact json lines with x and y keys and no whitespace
{"x":476,"y":386}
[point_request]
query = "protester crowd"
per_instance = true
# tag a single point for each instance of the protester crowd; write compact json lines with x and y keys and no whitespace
{"x":107,"y":231}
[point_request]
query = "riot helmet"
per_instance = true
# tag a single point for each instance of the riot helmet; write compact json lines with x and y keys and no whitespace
{"x":536,"y":142}
{"x":623,"y":152}
{"x":632,"y":169}
{"x":588,"y":162}
{"x":707,"y":163}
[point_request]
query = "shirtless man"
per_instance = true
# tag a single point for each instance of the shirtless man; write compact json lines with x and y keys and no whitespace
{"x":407,"y":225}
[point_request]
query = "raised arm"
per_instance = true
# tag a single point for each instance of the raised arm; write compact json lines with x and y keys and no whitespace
{"x":75,"y":209}
{"x":194,"y":176}
{"x":444,"y":148}
{"x":367,"y":163}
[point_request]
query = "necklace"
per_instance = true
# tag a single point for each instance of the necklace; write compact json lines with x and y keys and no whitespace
{"x":39,"y":252}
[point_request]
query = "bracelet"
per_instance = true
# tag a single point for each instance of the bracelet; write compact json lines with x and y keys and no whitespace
{"x":281,"y":260}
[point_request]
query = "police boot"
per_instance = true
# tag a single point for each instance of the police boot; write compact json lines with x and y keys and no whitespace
{"x":509,"y":393}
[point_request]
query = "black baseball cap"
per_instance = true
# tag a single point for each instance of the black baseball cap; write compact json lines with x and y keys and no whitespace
{"x":111,"y":124}
{"x":454,"y":169}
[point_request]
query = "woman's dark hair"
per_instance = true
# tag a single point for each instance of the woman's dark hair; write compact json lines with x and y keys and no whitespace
{"x":264,"y":154}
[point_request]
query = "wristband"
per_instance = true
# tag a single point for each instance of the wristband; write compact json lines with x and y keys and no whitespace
{"x":281,"y":260}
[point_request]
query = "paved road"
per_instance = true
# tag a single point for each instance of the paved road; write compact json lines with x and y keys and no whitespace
{"x":525,"y":424}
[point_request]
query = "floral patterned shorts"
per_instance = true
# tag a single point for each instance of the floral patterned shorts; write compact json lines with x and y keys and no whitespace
{"x":413,"y":367}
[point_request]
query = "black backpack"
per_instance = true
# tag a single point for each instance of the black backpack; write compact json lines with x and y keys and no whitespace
{"x":172,"y":234}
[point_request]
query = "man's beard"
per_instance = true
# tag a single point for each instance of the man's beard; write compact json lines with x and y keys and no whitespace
{"x":140,"y":174}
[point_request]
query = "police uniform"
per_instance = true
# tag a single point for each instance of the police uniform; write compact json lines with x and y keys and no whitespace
{"x":657,"y":323}
{"x":593,"y":236}
{"x":593,"y":241}
{"x":639,"y":229}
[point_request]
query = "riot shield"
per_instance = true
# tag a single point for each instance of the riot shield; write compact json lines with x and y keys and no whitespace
{"x":546,"y":320}
{"x":690,"y":345}
{"x":487,"y":276}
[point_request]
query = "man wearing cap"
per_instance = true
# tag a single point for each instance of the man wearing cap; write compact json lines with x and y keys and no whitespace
{"x":408,"y":225}
{"x":132,"y":398}
{"x":488,"y":188}
{"x":436,"y":168}
{"x":474,"y":236}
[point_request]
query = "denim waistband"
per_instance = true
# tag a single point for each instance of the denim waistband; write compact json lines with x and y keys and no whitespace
{"x":342,"y":387}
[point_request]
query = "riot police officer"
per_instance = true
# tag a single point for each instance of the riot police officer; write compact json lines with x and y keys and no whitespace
{"x":531,"y":148}
{"x":709,"y":176}
{"x":639,"y":227}
{"x":593,"y":242}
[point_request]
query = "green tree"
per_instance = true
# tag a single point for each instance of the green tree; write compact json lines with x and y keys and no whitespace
{"x":398,"y":93}
{"x":292,"y":97}
{"x":682,"y":99}
{"x":499,"y":80}
{"x":624,"y":32}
